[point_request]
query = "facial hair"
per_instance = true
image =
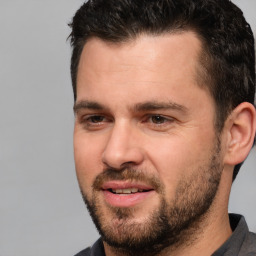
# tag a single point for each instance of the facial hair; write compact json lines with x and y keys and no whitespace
{"x":172,"y":224}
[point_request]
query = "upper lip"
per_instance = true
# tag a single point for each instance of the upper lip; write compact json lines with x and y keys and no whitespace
{"x":125,"y":185}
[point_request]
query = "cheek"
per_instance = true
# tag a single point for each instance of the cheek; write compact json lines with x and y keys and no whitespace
{"x":177,"y":157}
{"x":87,"y":155}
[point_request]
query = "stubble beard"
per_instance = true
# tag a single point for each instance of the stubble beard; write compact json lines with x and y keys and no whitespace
{"x":173,"y":224}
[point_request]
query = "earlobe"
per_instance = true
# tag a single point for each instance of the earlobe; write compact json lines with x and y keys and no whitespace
{"x":241,"y":128}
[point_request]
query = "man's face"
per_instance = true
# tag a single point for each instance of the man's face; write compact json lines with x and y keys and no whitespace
{"x":146,"y":152}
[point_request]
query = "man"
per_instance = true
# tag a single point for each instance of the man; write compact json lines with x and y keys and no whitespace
{"x":164,"y":93}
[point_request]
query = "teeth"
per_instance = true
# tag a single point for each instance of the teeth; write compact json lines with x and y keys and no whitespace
{"x":126,"y":190}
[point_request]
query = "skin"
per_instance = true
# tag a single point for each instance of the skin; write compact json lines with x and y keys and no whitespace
{"x":171,"y":143}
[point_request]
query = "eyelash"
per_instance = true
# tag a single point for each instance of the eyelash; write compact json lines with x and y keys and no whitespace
{"x":90,"y":122}
{"x":161,"y":119}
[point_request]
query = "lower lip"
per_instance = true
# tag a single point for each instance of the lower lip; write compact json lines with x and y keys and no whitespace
{"x":126,"y":200}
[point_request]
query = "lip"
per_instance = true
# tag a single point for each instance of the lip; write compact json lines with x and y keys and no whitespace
{"x":125,"y":184}
{"x":126,"y":200}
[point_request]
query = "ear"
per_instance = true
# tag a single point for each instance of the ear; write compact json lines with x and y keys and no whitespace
{"x":240,"y":128}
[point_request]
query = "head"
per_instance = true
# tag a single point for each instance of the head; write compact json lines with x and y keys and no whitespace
{"x":227,"y":60}
{"x":223,"y":77}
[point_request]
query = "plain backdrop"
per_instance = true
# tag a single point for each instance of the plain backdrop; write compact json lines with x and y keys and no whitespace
{"x":41,"y":210}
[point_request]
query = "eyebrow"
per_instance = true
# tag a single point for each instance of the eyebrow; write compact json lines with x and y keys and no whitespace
{"x":139,"y":107}
{"x":155,"y":105}
{"x":86,"y":104}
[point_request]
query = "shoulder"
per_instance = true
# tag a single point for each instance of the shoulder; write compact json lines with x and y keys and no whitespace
{"x":85,"y":252}
{"x":96,"y":250}
{"x":249,"y":245}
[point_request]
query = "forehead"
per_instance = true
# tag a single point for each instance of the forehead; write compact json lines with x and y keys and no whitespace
{"x":149,"y":66}
{"x":147,"y":50}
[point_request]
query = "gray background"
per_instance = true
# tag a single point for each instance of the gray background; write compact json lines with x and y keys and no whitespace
{"x":41,"y":211}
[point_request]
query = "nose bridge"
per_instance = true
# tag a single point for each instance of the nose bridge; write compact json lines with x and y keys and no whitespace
{"x":122,"y":146}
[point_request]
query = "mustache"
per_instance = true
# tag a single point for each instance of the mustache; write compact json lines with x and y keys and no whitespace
{"x":127,"y":174}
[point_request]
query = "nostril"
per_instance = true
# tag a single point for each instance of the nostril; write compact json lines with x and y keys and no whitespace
{"x":127,"y":164}
{"x":118,"y":156}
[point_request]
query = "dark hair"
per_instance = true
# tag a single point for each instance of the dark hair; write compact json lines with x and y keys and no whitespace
{"x":227,"y":62}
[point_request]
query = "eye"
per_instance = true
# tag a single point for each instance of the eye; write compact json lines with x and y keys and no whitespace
{"x":95,"y":119}
{"x":157,"y":119}
{"x":158,"y":122}
{"x":94,"y":122}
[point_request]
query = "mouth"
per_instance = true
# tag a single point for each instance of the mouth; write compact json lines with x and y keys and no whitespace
{"x":124,"y":194}
{"x":127,"y":191}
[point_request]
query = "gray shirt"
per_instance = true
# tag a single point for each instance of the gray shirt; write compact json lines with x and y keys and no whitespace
{"x":241,"y":243}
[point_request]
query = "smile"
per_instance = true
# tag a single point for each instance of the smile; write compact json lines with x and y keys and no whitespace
{"x":124,"y":194}
{"x":127,"y":191}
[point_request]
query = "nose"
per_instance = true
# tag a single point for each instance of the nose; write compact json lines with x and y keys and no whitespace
{"x":123,"y":147}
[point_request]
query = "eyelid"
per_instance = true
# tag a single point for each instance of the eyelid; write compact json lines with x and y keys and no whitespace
{"x":86,"y":121}
{"x":146,"y":120}
{"x":159,"y":115}
{"x":88,"y":116}
{"x":167,"y":121}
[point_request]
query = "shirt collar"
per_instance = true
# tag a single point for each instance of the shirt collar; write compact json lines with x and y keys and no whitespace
{"x":233,"y":245}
